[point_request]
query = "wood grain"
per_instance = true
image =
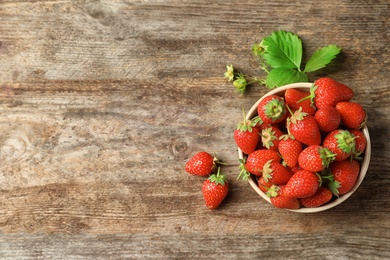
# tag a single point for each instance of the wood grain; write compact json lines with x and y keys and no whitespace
{"x":102,"y":103}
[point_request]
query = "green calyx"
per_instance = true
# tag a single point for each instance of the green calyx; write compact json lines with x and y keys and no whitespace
{"x":268,"y":137}
{"x":312,"y":95}
{"x":267,"y":171}
{"x":274,"y":109}
{"x":345,"y":141}
{"x":248,"y":124}
{"x":244,"y":174}
{"x":296,"y":116}
{"x":326,"y":156}
{"x":218,"y":178}
{"x":273,"y":191}
{"x":328,"y":177}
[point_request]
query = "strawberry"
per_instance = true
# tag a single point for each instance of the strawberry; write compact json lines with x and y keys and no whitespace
{"x":315,"y":158}
{"x":341,"y":143}
{"x":322,"y":196}
{"x":345,"y":174}
{"x":328,"y":92}
{"x":263,"y":185}
{"x":296,"y":99}
{"x":302,"y":184}
{"x":275,"y":173}
{"x":215,"y":189}
{"x":272,"y":109}
{"x":255,"y":162}
{"x":270,"y":137}
{"x":352,"y":114}
{"x":360,"y":141}
{"x":304,"y":128}
{"x":289,"y":149}
{"x":279,"y":200}
{"x":328,"y":118}
{"x":201,"y":164}
{"x":247,"y":135}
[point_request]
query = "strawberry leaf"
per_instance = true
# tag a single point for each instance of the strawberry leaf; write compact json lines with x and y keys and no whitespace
{"x":282,"y":76}
{"x":283,"y":50}
{"x":322,"y":57}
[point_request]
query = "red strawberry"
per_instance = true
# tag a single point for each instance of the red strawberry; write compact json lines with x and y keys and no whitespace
{"x":296,"y":99}
{"x":279,"y":200}
{"x":328,"y":92}
{"x":328,"y":118}
{"x":270,"y":137}
{"x":275,"y":173}
{"x":255,"y":162}
{"x":304,"y":128}
{"x":322,"y":196}
{"x":201,"y":164}
{"x":302,"y":184}
{"x":247,"y":135}
{"x":215,"y":189}
{"x":263,"y":185}
{"x":352,"y":114}
{"x":360,"y":141}
{"x":345,"y":174}
{"x":315,"y":158}
{"x":341,"y":143}
{"x":290,"y":149}
{"x":272,"y":109}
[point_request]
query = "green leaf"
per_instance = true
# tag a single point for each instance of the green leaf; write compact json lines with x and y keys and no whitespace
{"x":283,"y":50}
{"x":282,"y":76}
{"x":322,"y":57}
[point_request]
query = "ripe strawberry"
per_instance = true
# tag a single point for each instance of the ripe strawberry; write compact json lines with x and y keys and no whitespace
{"x":329,"y":92}
{"x":341,"y":143}
{"x":215,"y":189}
{"x":328,"y":118}
{"x":304,"y":128}
{"x":201,"y":164}
{"x":296,"y":99}
{"x":345,"y":174}
{"x":279,"y":200}
{"x":263,"y":185}
{"x":290,"y":149}
{"x":247,"y":135}
{"x":352,"y":114}
{"x":360,"y":141}
{"x":302,"y":184}
{"x":255,"y":162}
{"x":315,"y":158}
{"x":322,"y":196}
{"x":275,"y":173}
{"x":270,"y":137}
{"x":272,"y":109}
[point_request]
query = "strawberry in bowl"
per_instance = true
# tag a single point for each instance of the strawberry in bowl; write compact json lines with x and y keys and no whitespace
{"x":323,"y":152}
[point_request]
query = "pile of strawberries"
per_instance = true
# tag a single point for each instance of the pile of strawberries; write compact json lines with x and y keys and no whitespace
{"x":304,"y":148}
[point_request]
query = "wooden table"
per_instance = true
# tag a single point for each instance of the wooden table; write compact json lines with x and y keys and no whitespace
{"x":103,"y":102}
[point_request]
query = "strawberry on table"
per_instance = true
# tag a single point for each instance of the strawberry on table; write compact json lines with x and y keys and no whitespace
{"x":247,"y":135}
{"x":202,"y":164}
{"x":255,"y":162}
{"x":341,"y":143}
{"x":272,"y":109}
{"x":215,"y":190}
{"x":352,"y":114}
{"x":328,"y":118}
{"x":315,"y":158}
{"x":270,"y":137}
{"x":275,"y":173}
{"x":302,"y":184}
{"x":304,"y":128}
{"x":289,"y":149}
{"x":322,"y":196}
{"x":328,"y":92}
{"x":296,"y":99}
{"x":279,"y":200}
{"x":345,"y":174}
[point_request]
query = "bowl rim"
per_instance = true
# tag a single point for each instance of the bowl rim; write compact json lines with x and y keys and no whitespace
{"x":363,"y":166}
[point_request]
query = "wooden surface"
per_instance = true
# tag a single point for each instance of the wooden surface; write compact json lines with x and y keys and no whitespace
{"x":102,"y":103}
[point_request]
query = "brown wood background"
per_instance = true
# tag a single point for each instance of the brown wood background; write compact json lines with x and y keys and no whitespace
{"x":102,"y":103}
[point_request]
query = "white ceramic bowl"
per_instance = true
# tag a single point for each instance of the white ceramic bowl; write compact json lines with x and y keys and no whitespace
{"x":363,"y":167}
